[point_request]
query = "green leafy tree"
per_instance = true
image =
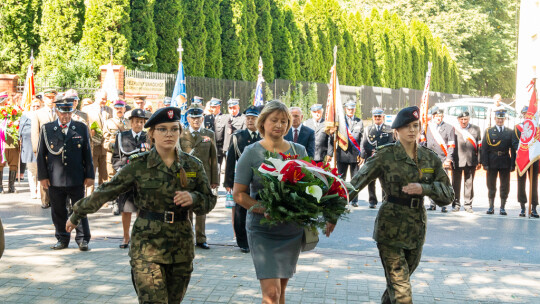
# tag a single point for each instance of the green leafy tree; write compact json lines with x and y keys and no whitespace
{"x":107,"y":24}
{"x":18,"y":34}
{"x":214,"y":65}
{"x":168,"y":23}
{"x":143,"y":34}
{"x":194,"y":44}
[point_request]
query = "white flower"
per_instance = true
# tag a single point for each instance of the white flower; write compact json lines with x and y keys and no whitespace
{"x":314,"y":191}
{"x":277,"y":163}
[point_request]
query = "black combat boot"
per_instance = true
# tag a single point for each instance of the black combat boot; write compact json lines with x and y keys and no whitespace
{"x":534,"y":213}
{"x":522,"y":213}
{"x":491,"y":209}
{"x":11,"y":182}
{"x":502,"y":211}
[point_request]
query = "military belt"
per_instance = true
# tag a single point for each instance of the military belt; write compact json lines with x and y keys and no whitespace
{"x":411,"y":202}
{"x":501,"y":153}
{"x":166,"y":217}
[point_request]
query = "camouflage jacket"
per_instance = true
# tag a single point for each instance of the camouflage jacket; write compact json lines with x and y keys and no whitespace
{"x":398,"y":225}
{"x":154,"y":185}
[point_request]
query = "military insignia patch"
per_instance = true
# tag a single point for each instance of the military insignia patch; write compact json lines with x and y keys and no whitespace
{"x":171,"y":114}
{"x":415,"y":114}
{"x":191,"y":174}
{"x":428,"y":170}
{"x":206,"y":139}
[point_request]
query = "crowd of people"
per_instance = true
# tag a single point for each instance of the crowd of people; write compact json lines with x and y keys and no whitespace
{"x":151,"y":164}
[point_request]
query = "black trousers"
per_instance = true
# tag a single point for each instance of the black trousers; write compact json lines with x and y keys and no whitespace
{"x":240,"y":226}
{"x":344,"y":167}
{"x":466,"y":174}
{"x":373,"y":194}
{"x":59,"y":213}
{"x":491,"y":181}
{"x":523,"y":191}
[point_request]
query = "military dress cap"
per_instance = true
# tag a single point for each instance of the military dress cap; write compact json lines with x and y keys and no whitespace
{"x":167,"y":114}
{"x":436,"y":110}
{"x":72,"y":93}
{"x":138,"y":113}
{"x":39,"y":95}
{"x":197,"y":100}
{"x":233,"y":102}
{"x":464,"y":114}
{"x":63,"y":103}
{"x":500,"y":113}
{"x":50,"y":91}
{"x":316,"y":107}
{"x":350,"y":104}
{"x":524,"y":110}
{"x":377,"y":111}
{"x":167,"y":101}
{"x":406,"y":116}
{"x":215,"y":101}
{"x":195,"y":111}
{"x":252,"y":111}
{"x":119,"y":104}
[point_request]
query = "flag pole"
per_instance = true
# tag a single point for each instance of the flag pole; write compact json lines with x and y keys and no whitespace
{"x":531,"y":166}
{"x":334,"y":100}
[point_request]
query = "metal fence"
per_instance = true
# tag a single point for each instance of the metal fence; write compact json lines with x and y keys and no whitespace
{"x":299,"y":93}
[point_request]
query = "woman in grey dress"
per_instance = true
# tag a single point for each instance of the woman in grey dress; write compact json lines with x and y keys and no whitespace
{"x":274,"y":249}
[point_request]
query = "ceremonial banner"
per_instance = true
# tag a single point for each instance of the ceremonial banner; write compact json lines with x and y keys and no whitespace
{"x":424,"y":105}
{"x":29,"y":88}
{"x":258,"y":100}
{"x":179,"y":96}
{"x":529,"y":143}
{"x":109,"y":85}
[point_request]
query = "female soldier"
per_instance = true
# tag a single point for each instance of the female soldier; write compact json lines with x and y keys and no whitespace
{"x":166,"y":183}
{"x":407,"y":173}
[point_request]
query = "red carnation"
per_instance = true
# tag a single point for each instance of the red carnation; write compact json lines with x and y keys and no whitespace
{"x":14,"y":112}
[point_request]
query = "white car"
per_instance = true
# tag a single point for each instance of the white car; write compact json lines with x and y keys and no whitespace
{"x":481,"y":110}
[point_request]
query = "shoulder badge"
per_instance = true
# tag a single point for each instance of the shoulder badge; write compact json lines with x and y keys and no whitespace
{"x":380,"y":148}
{"x":139,"y":156}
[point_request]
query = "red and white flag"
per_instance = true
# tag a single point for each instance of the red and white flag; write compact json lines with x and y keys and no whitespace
{"x":424,"y":105}
{"x":529,"y":143}
{"x":29,"y":88}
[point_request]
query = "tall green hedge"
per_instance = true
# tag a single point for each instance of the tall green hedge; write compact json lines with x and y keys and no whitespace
{"x":168,"y":22}
{"x":143,"y":35}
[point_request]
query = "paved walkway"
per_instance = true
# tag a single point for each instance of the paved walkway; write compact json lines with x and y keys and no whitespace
{"x":32,"y":273}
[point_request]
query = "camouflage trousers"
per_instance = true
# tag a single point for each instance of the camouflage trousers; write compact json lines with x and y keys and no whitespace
{"x":398,"y":264}
{"x":160,"y":283}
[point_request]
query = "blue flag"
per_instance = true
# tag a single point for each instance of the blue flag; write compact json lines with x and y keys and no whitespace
{"x":179,"y":96}
{"x":258,"y":100}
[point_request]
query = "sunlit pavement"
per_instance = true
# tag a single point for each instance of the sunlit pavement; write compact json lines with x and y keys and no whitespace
{"x":467,"y":258}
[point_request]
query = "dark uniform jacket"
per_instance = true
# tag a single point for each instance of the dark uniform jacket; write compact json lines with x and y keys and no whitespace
{"x":219,"y":124}
{"x":209,"y":121}
{"x":498,"y":152}
{"x":306,"y":137}
{"x":356,"y":127}
{"x":374,"y":138}
{"x":233,"y":124}
{"x":66,"y":160}
{"x":155,"y":186}
{"x":203,"y":147}
{"x":448,"y":134}
{"x":465,"y":154}
{"x":398,"y":225}
{"x":322,"y":140}
{"x":124,"y":146}
{"x":241,"y":139}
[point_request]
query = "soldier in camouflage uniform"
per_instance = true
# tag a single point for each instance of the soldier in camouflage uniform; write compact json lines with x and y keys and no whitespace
{"x":167,"y":184}
{"x":407,"y":172}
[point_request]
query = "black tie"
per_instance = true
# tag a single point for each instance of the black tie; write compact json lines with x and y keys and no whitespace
{"x":137,"y":138}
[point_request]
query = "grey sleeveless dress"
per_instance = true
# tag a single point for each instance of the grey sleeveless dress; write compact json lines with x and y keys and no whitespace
{"x":275,"y":249}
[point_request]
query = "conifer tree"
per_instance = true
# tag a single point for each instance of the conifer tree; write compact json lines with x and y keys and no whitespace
{"x":252,"y":44}
{"x":143,"y":34}
{"x":194,"y":43}
{"x":232,"y":40}
{"x":263,"y":29}
{"x":213,"y":65}
{"x":282,"y":45}
{"x":168,"y":23}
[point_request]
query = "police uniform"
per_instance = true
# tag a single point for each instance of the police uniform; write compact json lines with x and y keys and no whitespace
{"x":201,"y":144}
{"x":240,"y":140}
{"x":400,"y":226}
{"x":498,"y":156}
{"x":322,"y":140}
{"x":162,"y":248}
{"x":440,"y":138}
{"x":348,"y":160}
{"x":375,"y":136}
{"x":209,"y":120}
{"x":197,"y":101}
{"x":113,"y":126}
{"x":466,"y":157}
{"x":64,"y":158}
{"x":522,"y":180}
{"x":233,"y":124}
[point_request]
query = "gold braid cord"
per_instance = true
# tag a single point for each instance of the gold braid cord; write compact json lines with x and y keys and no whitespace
{"x":489,"y":140}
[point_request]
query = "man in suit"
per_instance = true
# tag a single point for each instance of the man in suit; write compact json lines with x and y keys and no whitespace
{"x":77,"y":115}
{"x":201,"y":143}
{"x":41,"y":117}
{"x":498,"y":157}
{"x":376,"y":135}
{"x":522,"y":180}
{"x":322,"y":140}
{"x":466,"y":160}
{"x":234,"y":121}
{"x":98,"y":113}
{"x":349,"y":160}
{"x":440,"y":138}
{"x":64,"y":161}
{"x":301,"y":134}
{"x":240,"y":140}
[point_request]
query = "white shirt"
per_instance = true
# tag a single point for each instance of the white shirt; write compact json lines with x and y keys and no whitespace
{"x":193,"y":130}
{"x":299,"y":127}
{"x":136,"y":134}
